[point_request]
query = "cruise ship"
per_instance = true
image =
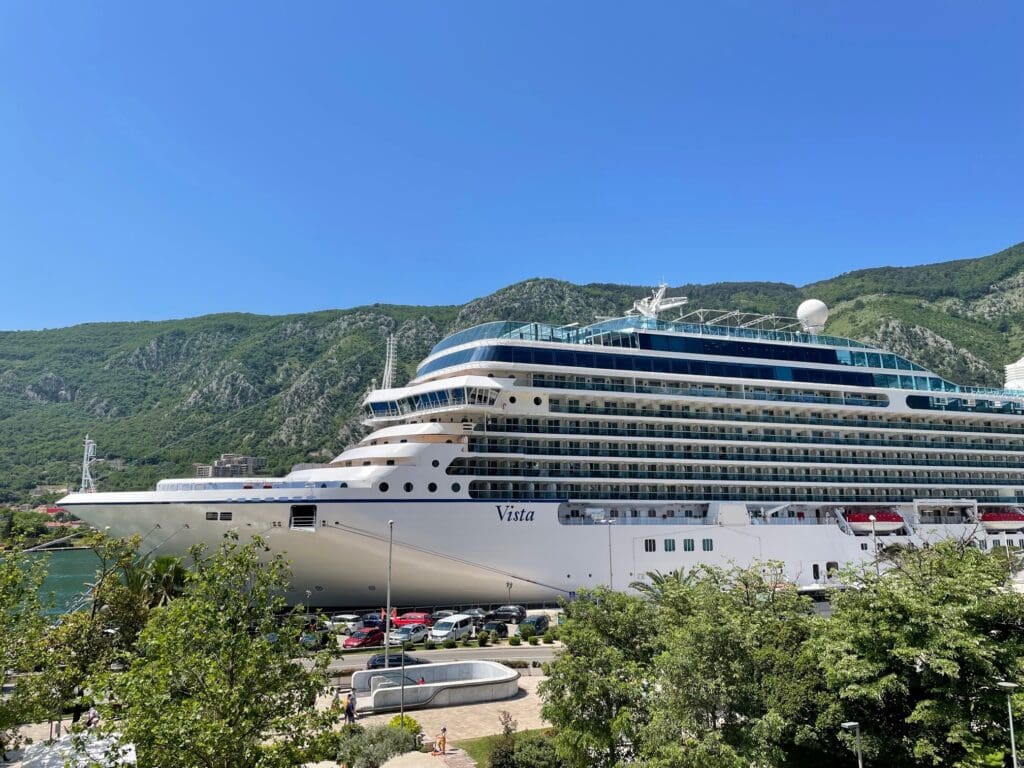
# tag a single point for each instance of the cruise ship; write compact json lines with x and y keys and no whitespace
{"x":527,"y":461}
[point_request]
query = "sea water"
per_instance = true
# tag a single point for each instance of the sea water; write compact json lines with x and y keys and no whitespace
{"x":68,"y":574}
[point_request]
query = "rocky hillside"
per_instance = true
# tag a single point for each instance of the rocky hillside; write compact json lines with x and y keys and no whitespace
{"x":161,"y":395}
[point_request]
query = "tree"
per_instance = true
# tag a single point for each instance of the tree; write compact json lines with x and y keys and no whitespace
{"x":914,"y":655}
{"x":725,"y":690}
{"x":218,"y":682}
{"x":21,"y":632}
{"x":595,"y":692}
{"x":85,"y":643}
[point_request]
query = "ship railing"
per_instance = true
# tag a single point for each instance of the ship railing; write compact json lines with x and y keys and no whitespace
{"x":534,"y":494}
{"x":771,"y":419}
{"x":752,"y":478}
{"x":639,"y":520}
{"x":521,"y":450}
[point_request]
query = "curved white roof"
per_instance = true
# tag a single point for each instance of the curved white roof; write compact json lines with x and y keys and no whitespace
{"x":397,"y":393}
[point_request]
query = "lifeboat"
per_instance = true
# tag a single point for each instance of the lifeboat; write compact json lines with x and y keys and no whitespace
{"x":886,"y":520}
{"x":1002,"y":519}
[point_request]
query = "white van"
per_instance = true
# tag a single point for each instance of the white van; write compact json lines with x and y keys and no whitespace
{"x":454,"y":628}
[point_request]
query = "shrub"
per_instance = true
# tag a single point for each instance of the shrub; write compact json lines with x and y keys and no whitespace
{"x":406,"y":723}
{"x":428,"y":644}
{"x":514,"y":640}
{"x":467,"y":641}
{"x":535,"y":750}
{"x":549,"y":637}
{"x":407,"y":646}
{"x":450,"y":643}
{"x":533,"y":639}
{"x":526,"y":631}
{"x":503,"y":752}
{"x":374,"y":746}
{"x":482,"y":639}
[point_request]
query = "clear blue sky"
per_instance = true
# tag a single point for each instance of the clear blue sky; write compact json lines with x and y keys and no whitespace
{"x":175,"y":159}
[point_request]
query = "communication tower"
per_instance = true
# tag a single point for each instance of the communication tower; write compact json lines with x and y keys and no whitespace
{"x":88,"y":484}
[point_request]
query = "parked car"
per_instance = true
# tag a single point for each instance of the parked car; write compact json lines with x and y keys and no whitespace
{"x":414,"y":633}
{"x":452,"y":628}
{"x":436,"y":616}
{"x":411,"y":618}
{"x":394,"y":660}
{"x":496,"y":628}
{"x":479,"y":616}
{"x":540,"y":623}
{"x":510,"y":614}
{"x":345,"y":623}
{"x":365,"y":638}
{"x":372,"y":620}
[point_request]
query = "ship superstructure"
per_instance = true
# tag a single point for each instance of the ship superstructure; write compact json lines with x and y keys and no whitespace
{"x":560,"y":457}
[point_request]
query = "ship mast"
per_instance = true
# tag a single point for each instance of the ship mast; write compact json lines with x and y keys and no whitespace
{"x":653,"y":305}
{"x":88,"y":484}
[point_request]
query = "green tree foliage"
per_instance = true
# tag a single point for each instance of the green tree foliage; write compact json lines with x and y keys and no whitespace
{"x":21,"y":632}
{"x":723,"y":668}
{"x":217,"y":676}
{"x":87,"y":642}
{"x":372,"y":747}
{"x":915,"y":655}
{"x":594,"y":695}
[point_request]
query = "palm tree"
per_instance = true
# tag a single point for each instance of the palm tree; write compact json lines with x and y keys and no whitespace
{"x":657,"y":583}
{"x":166,"y":580}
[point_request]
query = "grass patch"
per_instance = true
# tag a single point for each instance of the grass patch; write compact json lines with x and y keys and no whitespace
{"x":480,"y":749}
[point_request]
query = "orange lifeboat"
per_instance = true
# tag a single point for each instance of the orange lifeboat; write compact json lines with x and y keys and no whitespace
{"x":886,"y":520}
{"x":1002,"y":519}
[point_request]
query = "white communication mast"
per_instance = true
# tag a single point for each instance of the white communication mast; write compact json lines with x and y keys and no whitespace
{"x":388,"y":378}
{"x":651,"y":306}
{"x":88,"y":484}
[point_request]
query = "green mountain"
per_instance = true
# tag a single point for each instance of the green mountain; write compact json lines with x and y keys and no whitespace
{"x":157,"y":396}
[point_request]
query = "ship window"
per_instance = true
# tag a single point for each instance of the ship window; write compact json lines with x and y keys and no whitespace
{"x":512,"y":399}
{"x":383,"y":487}
{"x":226,"y":516}
{"x":431,"y":487}
{"x":456,"y":487}
{"x":302,"y":516}
{"x":670,"y":545}
{"x":831,"y":568}
{"x":815,"y":572}
{"x":688,"y":545}
{"x":211,"y":515}
{"x":391,"y":462}
{"x":708,"y":545}
{"x":649,"y":545}
{"x":435,"y":463}
{"x":408,"y":487}
{"x":536,"y":401}
{"x":864,"y":546}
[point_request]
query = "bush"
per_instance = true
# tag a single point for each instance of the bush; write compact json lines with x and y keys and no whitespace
{"x":482,"y":639}
{"x":514,"y":640}
{"x":535,"y":750}
{"x":406,"y":723}
{"x":526,"y":631}
{"x":374,"y":746}
{"x":533,"y":639}
{"x":467,"y":641}
{"x":450,"y":643}
{"x":407,"y":645}
{"x":429,"y":645}
{"x":549,"y":637}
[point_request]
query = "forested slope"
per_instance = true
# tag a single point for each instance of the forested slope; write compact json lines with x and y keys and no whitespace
{"x":161,"y":395}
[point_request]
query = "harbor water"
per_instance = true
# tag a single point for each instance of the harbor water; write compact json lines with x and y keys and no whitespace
{"x":68,"y":573}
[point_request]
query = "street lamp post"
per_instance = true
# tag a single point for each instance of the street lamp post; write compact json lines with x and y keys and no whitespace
{"x":1010,"y":688}
{"x":607,"y":522}
{"x":874,"y":544}
{"x":387,"y":616}
{"x":854,"y":726}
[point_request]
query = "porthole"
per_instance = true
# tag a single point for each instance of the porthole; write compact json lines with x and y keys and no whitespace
{"x":383,"y":487}
{"x":537,"y":401}
{"x":456,"y":487}
{"x":431,"y":487}
{"x":512,"y":399}
{"x":408,"y":487}
{"x":435,"y":463}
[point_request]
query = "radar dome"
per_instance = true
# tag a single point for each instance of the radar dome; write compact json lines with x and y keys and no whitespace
{"x":812,"y":315}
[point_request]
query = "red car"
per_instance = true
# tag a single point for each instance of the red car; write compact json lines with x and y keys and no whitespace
{"x":413,"y":617}
{"x":365,"y":638}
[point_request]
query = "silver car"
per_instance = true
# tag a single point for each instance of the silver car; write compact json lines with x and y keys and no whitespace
{"x":345,"y":623}
{"x":412,"y":633}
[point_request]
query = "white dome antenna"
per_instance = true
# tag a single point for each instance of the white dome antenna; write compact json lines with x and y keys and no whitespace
{"x":812,"y":314}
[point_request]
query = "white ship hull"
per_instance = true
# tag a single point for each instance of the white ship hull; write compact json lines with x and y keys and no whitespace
{"x":461,"y":552}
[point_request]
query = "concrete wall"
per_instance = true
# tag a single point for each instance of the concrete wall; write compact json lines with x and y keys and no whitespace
{"x":446,"y":684}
